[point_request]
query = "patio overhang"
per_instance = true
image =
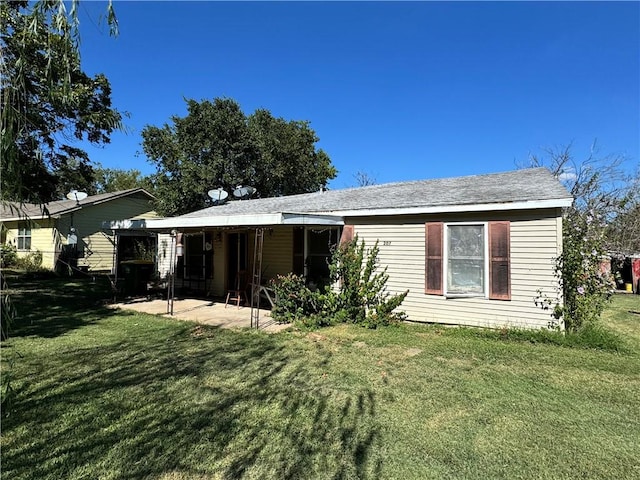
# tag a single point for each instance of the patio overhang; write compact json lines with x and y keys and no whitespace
{"x":226,"y":221}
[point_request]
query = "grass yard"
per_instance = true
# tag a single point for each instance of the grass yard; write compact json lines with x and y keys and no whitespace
{"x":108,"y":395}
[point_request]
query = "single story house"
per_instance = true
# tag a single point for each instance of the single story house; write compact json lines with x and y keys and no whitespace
{"x":470,"y":250}
{"x":70,"y":231}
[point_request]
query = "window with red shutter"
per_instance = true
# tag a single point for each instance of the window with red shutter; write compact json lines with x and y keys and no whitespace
{"x":458,"y":258}
{"x":433,"y":263}
{"x":499,"y":261}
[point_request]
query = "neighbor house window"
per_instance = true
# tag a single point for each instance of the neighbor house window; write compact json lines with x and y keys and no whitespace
{"x":24,"y":236}
{"x":468,"y":259}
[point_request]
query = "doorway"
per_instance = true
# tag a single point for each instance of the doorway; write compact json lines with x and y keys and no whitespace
{"x":237,"y":256}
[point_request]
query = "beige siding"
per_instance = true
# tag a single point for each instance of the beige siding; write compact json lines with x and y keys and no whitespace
{"x":44,"y":238}
{"x":49,"y":235}
{"x":164,"y":254}
{"x":535,"y":242}
{"x":97,"y":243}
{"x":219,"y":262}
{"x":277,"y":253}
{"x":277,"y":257}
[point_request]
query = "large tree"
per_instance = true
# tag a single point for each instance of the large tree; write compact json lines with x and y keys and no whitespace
{"x":107,"y":180}
{"x":217,"y":145}
{"x":48,"y":102}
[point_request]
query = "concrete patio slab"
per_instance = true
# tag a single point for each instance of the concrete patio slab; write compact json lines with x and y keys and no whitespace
{"x":206,"y":312}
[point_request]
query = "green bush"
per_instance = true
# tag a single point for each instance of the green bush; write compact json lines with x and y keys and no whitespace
{"x":8,"y":255}
{"x":584,"y":289}
{"x":360,"y":298}
{"x":32,"y":262}
{"x":294,"y":299}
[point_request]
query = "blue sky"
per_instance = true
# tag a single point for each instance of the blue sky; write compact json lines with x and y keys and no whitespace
{"x":399,"y":91}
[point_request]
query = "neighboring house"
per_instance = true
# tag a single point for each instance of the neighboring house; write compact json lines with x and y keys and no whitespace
{"x":471,"y":250}
{"x":70,"y":232}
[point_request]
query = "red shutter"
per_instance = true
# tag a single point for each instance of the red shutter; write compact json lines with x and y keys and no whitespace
{"x":433,"y":260}
{"x":499,"y":261}
{"x":347,"y":234}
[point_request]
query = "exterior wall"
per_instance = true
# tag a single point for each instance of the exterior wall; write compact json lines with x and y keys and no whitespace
{"x":536,"y":239}
{"x":164,"y":254}
{"x":277,"y":252}
{"x":44,"y":238}
{"x":97,"y":243}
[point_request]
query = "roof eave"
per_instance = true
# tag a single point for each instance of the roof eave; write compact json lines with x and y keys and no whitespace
{"x":247,"y":220}
{"x":476,"y":207}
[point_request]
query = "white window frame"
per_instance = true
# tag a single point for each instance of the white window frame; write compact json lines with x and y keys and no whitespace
{"x":445,"y":260}
{"x":23,"y":236}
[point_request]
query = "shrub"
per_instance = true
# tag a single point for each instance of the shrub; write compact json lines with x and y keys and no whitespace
{"x":32,"y":262}
{"x":360,"y":298}
{"x":585,"y":287}
{"x":294,"y":299}
{"x":8,"y":255}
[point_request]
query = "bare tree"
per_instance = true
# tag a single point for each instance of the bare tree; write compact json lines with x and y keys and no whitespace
{"x":598,"y":182}
{"x":364,"y":179}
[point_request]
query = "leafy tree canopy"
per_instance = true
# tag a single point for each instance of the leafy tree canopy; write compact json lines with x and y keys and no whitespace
{"x":107,"y":180}
{"x":48,"y":102}
{"x":217,"y":145}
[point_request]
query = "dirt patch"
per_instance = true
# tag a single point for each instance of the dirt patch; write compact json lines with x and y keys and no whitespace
{"x":198,"y":331}
{"x":412,"y":352}
{"x":359,"y":344}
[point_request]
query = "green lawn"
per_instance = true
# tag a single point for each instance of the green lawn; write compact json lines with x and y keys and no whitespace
{"x":105,"y":395}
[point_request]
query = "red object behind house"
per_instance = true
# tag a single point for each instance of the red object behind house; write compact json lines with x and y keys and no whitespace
{"x":635,"y":274}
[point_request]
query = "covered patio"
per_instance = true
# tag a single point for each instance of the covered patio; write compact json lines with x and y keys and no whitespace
{"x":205,"y":312}
{"x":211,"y":255}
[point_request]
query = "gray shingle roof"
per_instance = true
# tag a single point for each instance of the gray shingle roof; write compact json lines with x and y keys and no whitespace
{"x":14,"y":210}
{"x":526,"y":185}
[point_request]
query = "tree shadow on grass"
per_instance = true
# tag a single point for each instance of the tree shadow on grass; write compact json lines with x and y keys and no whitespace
{"x":52,"y":307}
{"x":199,"y":402}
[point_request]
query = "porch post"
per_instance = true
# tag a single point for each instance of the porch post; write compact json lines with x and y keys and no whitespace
{"x":172,"y":268}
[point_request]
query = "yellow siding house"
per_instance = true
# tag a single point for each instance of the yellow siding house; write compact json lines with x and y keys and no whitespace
{"x":70,"y":231}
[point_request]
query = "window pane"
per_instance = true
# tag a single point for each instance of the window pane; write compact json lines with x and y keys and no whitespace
{"x":27,"y":243}
{"x":465,"y":263}
{"x":466,"y":241}
{"x":465,"y":276}
{"x":20,"y":243}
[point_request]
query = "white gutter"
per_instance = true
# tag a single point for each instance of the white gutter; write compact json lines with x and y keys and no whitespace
{"x":261,"y":219}
{"x":476,"y":207}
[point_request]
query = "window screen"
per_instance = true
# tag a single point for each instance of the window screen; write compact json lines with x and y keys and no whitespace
{"x":465,"y":259}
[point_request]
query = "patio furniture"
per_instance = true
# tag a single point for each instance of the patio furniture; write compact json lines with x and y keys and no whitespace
{"x":240,"y":290}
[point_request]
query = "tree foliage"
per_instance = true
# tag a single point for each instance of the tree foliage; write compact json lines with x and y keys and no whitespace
{"x":601,"y":191}
{"x":217,"y":145}
{"x":48,"y":102}
{"x":107,"y":180}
